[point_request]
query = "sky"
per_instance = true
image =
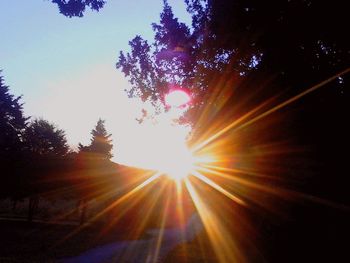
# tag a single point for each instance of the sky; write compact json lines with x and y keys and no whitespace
{"x":65,"y":67}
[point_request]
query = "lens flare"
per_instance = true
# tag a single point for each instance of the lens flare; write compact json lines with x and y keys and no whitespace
{"x":177,"y":98}
{"x":229,"y":170}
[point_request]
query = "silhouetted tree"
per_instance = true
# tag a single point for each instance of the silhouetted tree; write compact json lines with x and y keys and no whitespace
{"x":239,"y":41}
{"x":12,"y":120}
{"x":151,"y":69}
{"x":98,"y":153}
{"x":43,"y":138}
{"x":101,"y":144}
{"x":45,"y":144}
{"x":72,"y":8}
{"x":12,"y":125}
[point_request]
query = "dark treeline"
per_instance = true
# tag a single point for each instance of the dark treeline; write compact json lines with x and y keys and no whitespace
{"x":36,"y":161}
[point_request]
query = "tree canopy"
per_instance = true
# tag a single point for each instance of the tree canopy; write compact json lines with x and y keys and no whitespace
{"x":290,"y":42}
{"x":43,"y":138}
{"x":71,"y":8}
{"x":239,"y":56}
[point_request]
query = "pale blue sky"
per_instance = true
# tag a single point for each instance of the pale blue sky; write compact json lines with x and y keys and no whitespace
{"x":62,"y":66}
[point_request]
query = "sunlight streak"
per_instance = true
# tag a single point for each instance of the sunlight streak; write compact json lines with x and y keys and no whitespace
{"x":222,"y":243}
{"x":127,"y":195}
{"x":114,"y":204}
{"x":235,"y":170}
{"x":281,"y":192}
{"x":228,"y":127}
{"x":296,"y":97}
{"x":161,"y":231}
{"x":218,"y":188}
{"x":268,"y":112}
{"x":152,"y":198}
{"x":179,"y":203}
{"x":242,"y":181}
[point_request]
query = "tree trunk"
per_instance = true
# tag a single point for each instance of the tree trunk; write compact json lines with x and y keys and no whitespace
{"x":14,"y":205}
{"x":32,"y":207}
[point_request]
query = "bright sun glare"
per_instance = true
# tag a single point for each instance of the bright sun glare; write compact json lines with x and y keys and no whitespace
{"x":167,"y":151}
{"x":161,"y":143}
{"x":174,"y":157}
{"x":177,"y":162}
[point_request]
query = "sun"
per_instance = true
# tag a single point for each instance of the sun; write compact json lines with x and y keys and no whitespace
{"x":159,"y":143}
{"x":178,"y":162}
{"x":161,"y":146}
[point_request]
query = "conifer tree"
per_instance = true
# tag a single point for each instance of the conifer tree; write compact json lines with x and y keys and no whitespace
{"x":12,"y":125}
{"x":12,"y":121}
{"x":101,"y":144}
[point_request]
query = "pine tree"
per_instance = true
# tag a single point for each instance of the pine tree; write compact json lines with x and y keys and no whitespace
{"x":12,"y":125}
{"x":101,"y":144}
{"x":12,"y":121}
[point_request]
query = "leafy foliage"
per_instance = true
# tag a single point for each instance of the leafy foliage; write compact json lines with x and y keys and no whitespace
{"x":72,"y":8}
{"x":151,"y":67}
{"x":43,"y":138}
{"x":238,"y":41}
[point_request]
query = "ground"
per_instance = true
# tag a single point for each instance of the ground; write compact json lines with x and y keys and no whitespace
{"x":32,"y":242}
{"x":40,"y":242}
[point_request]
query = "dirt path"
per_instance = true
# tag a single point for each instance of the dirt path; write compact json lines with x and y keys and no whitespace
{"x":142,"y":251}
